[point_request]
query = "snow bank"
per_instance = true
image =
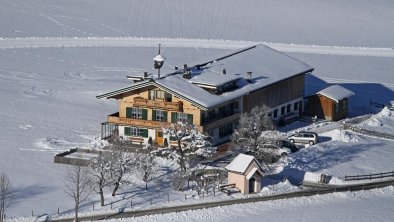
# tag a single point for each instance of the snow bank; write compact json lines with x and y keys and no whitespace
{"x":342,"y":135}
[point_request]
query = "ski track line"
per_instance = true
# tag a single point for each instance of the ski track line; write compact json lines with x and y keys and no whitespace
{"x":50,"y":42}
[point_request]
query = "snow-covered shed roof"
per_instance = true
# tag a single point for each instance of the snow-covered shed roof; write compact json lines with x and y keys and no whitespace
{"x":267,"y":65}
{"x":241,"y":163}
{"x":336,"y":92}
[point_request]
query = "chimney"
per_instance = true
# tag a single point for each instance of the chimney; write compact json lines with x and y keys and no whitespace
{"x":176,"y":68}
{"x":224,"y":71}
{"x":249,"y":74}
{"x":185,"y":66}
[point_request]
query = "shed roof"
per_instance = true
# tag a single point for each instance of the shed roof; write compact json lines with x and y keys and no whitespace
{"x":241,"y":163}
{"x":336,"y":92}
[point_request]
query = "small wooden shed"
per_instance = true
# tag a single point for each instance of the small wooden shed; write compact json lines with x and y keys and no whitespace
{"x":330,"y":103}
{"x":246,"y":173}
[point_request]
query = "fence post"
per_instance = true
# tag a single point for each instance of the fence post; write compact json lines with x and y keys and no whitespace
{"x":131,"y":204}
{"x":58,"y":210}
{"x":168,"y":198}
{"x":185,"y":196}
{"x":32,"y":213}
{"x":370,"y":176}
{"x":214,"y":192}
{"x":111,"y":205}
{"x":93,"y":206}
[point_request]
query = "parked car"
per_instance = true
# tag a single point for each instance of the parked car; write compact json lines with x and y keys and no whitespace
{"x":304,"y":137}
{"x":283,"y":147}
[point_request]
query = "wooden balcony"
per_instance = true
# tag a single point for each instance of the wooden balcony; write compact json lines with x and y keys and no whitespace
{"x":115,"y":119}
{"x":171,"y":106}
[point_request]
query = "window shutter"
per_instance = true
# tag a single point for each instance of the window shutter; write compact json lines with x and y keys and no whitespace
{"x":174,"y":117}
{"x":190,"y":119}
{"x":165,"y":116}
{"x":128,"y":112}
{"x":144,"y":133}
{"x":153,"y":115}
{"x":144,"y":114}
{"x":127,"y":131}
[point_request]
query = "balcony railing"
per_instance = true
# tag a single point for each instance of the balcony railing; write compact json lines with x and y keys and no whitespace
{"x":115,"y":119}
{"x":171,"y":106}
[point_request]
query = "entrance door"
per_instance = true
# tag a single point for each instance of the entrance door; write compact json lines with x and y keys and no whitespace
{"x":252,"y":185}
{"x":159,"y":137}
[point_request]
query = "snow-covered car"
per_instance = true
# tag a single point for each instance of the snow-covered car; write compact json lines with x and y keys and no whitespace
{"x":283,"y":147}
{"x":304,"y":137}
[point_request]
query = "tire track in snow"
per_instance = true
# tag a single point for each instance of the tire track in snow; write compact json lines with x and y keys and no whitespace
{"x":49,"y":42}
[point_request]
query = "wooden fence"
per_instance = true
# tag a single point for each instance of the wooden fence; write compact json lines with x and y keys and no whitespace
{"x":370,"y":176}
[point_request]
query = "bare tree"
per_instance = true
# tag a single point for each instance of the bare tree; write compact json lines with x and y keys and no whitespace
{"x":78,"y":186}
{"x":255,"y":130}
{"x":100,"y":169}
{"x":178,"y":180}
{"x":191,"y":144}
{"x":122,"y":163}
{"x":146,"y":166}
{"x":5,"y":195}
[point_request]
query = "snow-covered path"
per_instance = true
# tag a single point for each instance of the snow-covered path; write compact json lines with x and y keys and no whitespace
{"x":6,"y":43}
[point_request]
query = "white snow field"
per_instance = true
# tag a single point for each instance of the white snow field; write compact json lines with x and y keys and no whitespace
{"x":56,"y":56}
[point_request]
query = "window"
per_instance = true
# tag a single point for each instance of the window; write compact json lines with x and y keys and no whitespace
{"x":288,"y":108}
{"x":159,"y":94}
{"x":151,"y":94}
{"x":275,"y":113}
{"x":295,"y":106}
{"x":225,"y":130}
{"x":136,"y":113}
{"x":336,"y":107}
{"x":182,"y":117}
{"x":134,"y":131}
{"x":210,"y":133}
{"x":168,"y":97}
{"x":160,"y":116}
{"x":282,"y":110}
{"x":222,"y":111}
{"x":344,"y":104}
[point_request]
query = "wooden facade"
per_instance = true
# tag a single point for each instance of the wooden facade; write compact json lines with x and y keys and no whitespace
{"x":325,"y":108}
{"x":276,"y":94}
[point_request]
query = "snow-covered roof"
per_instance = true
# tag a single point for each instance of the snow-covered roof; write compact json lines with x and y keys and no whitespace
{"x":267,"y":65}
{"x":240,"y":163}
{"x":213,"y":78}
{"x":252,"y":172}
{"x":336,"y":92}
